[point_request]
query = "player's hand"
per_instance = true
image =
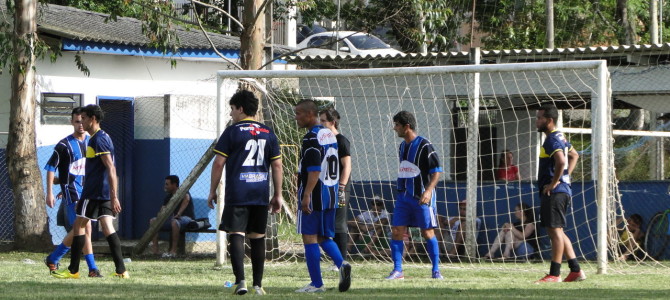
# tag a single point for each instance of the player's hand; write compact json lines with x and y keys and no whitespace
{"x":305,"y":205}
{"x":548,"y":188}
{"x":50,"y":200}
{"x":211,"y":200}
{"x":116,"y":206}
{"x":275,"y":204}
{"x":60,"y":195}
{"x":341,"y":195}
{"x":425,"y":197}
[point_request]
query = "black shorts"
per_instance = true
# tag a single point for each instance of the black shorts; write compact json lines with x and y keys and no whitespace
{"x":244,"y":218}
{"x":94,"y":209}
{"x":341,"y":220}
{"x":553,"y":208}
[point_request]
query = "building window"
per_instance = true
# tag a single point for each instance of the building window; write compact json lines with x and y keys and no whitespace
{"x":56,"y":108}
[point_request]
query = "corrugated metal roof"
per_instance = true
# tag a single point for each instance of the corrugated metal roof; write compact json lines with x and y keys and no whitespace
{"x":82,"y":25}
{"x":493,"y":54}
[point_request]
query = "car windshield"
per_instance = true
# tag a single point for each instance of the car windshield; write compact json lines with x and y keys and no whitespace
{"x":367,"y":42}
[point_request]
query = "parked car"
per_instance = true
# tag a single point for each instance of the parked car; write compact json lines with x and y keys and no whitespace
{"x":303,"y":31}
{"x":351,"y":42}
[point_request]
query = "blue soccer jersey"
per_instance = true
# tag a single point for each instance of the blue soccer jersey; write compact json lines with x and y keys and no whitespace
{"x":418,"y":160}
{"x":68,"y":161}
{"x":96,"y":185}
{"x":249,"y":147}
{"x":554,"y":142}
{"x":319,"y":153}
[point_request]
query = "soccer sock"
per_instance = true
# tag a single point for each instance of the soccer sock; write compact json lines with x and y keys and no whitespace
{"x":75,"y":254}
{"x":330,"y":247}
{"x":555,"y":269}
{"x":58,"y":253}
{"x":257,"y":259}
{"x":313,"y":259}
{"x":433,"y":253}
{"x":397,"y":247}
{"x":90,"y":261}
{"x":236,"y":249}
{"x":115,"y":246}
{"x":574,"y":265}
{"x":342,"y":239}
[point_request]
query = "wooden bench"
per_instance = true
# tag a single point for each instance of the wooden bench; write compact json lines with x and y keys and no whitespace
{"x":181,"y":243}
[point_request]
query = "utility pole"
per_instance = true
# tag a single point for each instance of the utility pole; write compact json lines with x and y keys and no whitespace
{"x":549,"y":11}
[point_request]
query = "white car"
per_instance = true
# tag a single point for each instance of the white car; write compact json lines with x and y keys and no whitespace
{"x":351,"y":42}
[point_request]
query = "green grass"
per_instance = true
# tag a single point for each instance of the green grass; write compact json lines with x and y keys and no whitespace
{"x":23,"y":275}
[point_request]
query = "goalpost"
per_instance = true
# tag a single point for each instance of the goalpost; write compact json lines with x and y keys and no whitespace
{"x":471,"y":114}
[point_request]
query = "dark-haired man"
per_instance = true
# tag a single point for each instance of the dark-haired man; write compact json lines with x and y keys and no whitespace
{"x":182,"y":215}
{"x":99,"y":198}
{"x":249,"y":149}
{"x":557,"y":161}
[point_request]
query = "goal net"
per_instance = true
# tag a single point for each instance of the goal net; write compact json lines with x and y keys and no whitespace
{"x":477,"y":117}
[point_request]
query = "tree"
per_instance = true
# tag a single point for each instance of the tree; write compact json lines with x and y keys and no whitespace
{"x":30,"y":226}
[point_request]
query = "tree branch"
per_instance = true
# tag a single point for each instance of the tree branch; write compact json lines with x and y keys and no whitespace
{"x":219,"y":9}
{"x":197,"y":17}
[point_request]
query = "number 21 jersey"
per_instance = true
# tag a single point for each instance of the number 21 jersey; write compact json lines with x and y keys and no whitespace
{"x":319,"y":153}
{"x":249,"y":147}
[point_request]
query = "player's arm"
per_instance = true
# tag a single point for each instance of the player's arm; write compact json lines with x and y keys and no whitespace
{"x":183,"y":205}
{"x":345,"y":173}
{"x":277,"y":181}
{"x":50,"y":193}
{"x":428,"y":193}
{"x":111,"y":176}
{"x":559,"y":166}
{"x":312,"y":180}
{"x":573,"y":156}
{"x":217,"y":171}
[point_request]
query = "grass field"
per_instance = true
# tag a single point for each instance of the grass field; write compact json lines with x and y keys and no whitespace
{"x":23,"y":275}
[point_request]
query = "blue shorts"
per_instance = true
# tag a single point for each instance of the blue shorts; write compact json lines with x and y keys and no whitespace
{"x":318,"y":222}
{"x":66,"y":214}
{"x":181,"y":222}
{"x":524,"y":250}
{"x":408,"y":212}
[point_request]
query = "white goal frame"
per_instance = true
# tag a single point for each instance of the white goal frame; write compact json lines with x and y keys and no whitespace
{"x":601,"y":107}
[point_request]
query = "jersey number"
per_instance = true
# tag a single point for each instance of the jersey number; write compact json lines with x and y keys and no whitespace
{"x":256,"y":150}
{"x":330,"y":167}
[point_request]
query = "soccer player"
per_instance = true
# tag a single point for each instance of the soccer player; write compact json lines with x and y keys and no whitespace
{"x":330,"y":119}
{"x":318,"y":180}
{"x":249,"y":149}
{"x":69,"y":161}
{"x":557,"y":161}
{"x":99,"y":198}
{"x":418,"y":174}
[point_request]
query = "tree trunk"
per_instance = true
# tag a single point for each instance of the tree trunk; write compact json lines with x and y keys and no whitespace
{"x":623,"y":19}
{"x":30,"y":226}
{"x":253,"y":36}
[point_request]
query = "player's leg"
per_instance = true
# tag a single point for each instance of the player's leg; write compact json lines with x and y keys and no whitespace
{"x":309,"y":227}
{"x":576,"y":273}
{"x":235,"y":222}
{"x":553,"y":219}
{"x":401,"y":218}
{"x":427,"y":221}
{"x":341,"y":230}
{"x":256,"y":227}
{"x":106,"y":218}
{"x":93,"y":270}
{"x":66,"y":215}
{"x":331,"y":248}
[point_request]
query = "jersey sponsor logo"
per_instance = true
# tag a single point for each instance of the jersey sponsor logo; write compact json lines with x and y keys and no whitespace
{"x":78,"y":167}
{"x":254,"y":176}
{"x":254,"y":129}
{"x":325,"y":137}
{"x":408,"y":170}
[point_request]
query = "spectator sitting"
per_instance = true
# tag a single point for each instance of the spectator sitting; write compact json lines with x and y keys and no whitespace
{"x":369,"y":226}
{"x":506,"y":169}
{"x":630,"y":236}
{"x":519,"y":236}
{"x":453,"y":234}
{"x":182,"y":215}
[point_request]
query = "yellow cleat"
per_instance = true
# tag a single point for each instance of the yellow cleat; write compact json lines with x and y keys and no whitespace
{"x":123,"y":275}
{"x":64,"y":274}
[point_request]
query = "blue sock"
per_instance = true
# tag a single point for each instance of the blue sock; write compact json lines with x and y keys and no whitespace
{"x":90,"y":261}
{"x":397,"y":248}
{"x":433,"y":253}
{"x":330,"y":247}
{"x":313,"y":259}
{"x":58,"y":253}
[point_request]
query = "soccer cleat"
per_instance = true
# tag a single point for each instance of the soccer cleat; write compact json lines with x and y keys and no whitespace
{"x":94,"y":273}
{"x":575,"y":276}
{"x":345,"y":277}
{"x":311,"y":289}
{"x":395,"y":275}
{"x":259,"y":290}
{"x":240,"y":288}
{"x":123,"y":275}
{"x":52,"y":266}
{"x":64,"y":274}
{"x":549,"y":278}
{"x":437,"y":275}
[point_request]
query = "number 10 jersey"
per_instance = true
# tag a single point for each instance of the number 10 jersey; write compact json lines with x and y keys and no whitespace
{"x":319,"y":153}
{"x":249,"y":147}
